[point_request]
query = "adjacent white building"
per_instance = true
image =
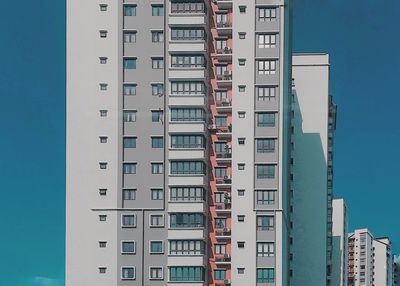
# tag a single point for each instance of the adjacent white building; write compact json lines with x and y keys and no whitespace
{"x":339,"y":243}
{"x":383,"y":262}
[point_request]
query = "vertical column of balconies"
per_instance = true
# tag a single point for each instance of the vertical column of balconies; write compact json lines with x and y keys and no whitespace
{"x":220,"y":127}
{"x":187,"y":66}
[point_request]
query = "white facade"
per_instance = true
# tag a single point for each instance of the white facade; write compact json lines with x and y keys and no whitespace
{"x":339,"y":245}
{"x":383,"y":263}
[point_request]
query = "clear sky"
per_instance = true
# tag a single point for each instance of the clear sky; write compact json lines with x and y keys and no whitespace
{"x":361,"y":36}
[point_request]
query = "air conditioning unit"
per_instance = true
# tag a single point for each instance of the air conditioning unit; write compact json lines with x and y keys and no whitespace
{"x":212,"y":127}
{"x":226,"y":255}
{"x":226,"y":229}
{"x":228,"y":147}
{"x":227,"y":195}
{"x":227,"y":177}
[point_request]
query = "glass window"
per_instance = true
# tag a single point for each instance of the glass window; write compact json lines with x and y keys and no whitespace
{"x":265,"y":197}
{"x":156,"y":247}
{"x":129,"y":37}
{"x":186,"y":273}
{"x":188,"y":168}
{"x":186,"y":247}
{"x":219,"y":274}
{"x":220,"y":172}
{"x":220,"y":248}
{"x":266,"y":41}
{"x":130,"y":63}
{"x":187,"y":114}
{"x":184,"y":61}
{"x":129,"y":168}
{"x":265,"y":275}
{"x":129,"y":116}
{"x":265,"y":145}
{"x":220,"y":222}
{"x":129,"y":220}
{"x":157,"y":63}
{"x":128,"y":273}
{"x":157,"y":89}
{"x":221,"y":121}
{"x":156,"y":273}
{"x":187,"y":88}
{"x":157,"y":142}
{"x":129,"y":10}
{"x":129,"y":89}
{"x":266,"y":93}
{"x":128,"y":247}
{"x":156,"y":220}
{"x":265,"y":119}
{"x":129,"y":142}
{"x":156,"y":115}
{"x":265,"y":223}
{"x":187,"y":141}
{"x":187,"y":194}
{"x":186,"y":220}
{"x":157,"y":168}
{"x":129,"y":194}
{"x":187,"y":7}
{"x":266,"y":66}
{"x":266,"y":14}
{"x":157,"y":36}
{"x":265,"y":171}
{"x":187,"y":34}
{"x":265,"y":249}
{"x":157,"y":10}
{"x":157,"y":194}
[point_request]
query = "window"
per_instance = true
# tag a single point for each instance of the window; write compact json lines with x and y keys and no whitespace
{"x":241,"y":141}
{"x":187,"y":114}
{"x":156,"y":247}
{"x":156,"y":273}
{"x":242,"y":35}
{"x":128,"y":220}
{"x":266,"y":41}
{"x":265,"y":223}
{"x":220,"y":172}
{"x":265,"y":275}
{"x":219,"y":274}
{"x":188,"y":168}
{"x":103,"y":165}
{"x":220,"y":248}
{"x":222,"y":45}
{"x":265,"y":171}
{"x":102,"y":270}
{"x":187,"y":34}
{"x":103,"y":7}
{"x":157,"y":168}
{"x":220,"y":71}
{"x":157,"y":89}
{"x":129,"y":10}
{"x":219,"y":197}
{"x":186,"y":247}
{"x":265,"y":145}
{"x":186,"y":273}
{"x":240,"y":218}
{"x":187,"y":7}
{"x":241,"y":166}
{"x":157,"y":63}
{"x":156,"y":115}
{"x":187,"y":141}
{"x":129,"y":89}
{"x":240,"y":270}
{"x":241,"y":114}
{"x":157,"y":194}
{"x":266,"y":14}
{"x":221,"y":95}
{"x":266,"y":66}
{"x":242,"y":88}
{"x":128,"y":247}
{"x":220,"y":222}
{"x":103,"y":34}
{"x":242,"y":9}
{"x":102,"y":244}
{"x":156,"y":220}
{"x":129,"y":142}
{"x":129,"y":116}
{"x":187,"y":88}
{"x":265,"y":93}
{"x":157,"y":36}
{"x":103,"y":113}
{"x":221,"y":121}
{"x":186,"y":220}
{"x":183,"y":194}
{"x":187,"y":61}
{"x":103,"y":60}
{"x":102,"y":192}
{"x":129,"y":37}
{"x":103,"y":86}
{"x":240,"y":244}
{"x":265,"y":249}
{"x":241,"y":193}
{"x":129,"y":168}
{"x":222,"y":20}
{"x":130,"y":63}
{"x":242,"y":62}
{"x":265,"y":119}
{"x":129,"y":194}
{"x":157,"y":10}
{"x":157,"y":142}
{"x":102,"y":217}
{"x":128,"y":273}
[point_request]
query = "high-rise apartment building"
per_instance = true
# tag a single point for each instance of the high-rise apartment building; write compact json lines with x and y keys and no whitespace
{"x":396,"y":270}
{"x":370,"y":260}
{"x":182,"y":133}
{"x":339,"y":243}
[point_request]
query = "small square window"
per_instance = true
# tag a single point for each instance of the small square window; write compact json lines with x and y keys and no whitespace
{"x":156,"y":273}
{"x":103,"y":113}
{"x":156,"y":115}
{"x":157,"y":89}
{"x":102,"y":270}
{"x":242,"y":8}
{"x":103,"y":60}
{"x":241,"y":166}
{"x":157,"y":194}
{"x":241,"y":140}
{"x":128,"y":220}
{"x":102,"y":192}
{"x":240,"y":218}
{"x":242,"y":88}
{"x":240,"y":270}
{"x":129,"y":10}
{"x":129,"y":36}
{"x":157,"y":142}
{"x":242,"y":35}
{"x":103,"y":86}
{"x":156,"y":247}
{"x":102,"y":217}
{"x":157,"y":168}
{"x":157,"y":10}
{"x":103,"y":7}
{"x":128,"y":247}
{"x":130,"y":63}
{"x":157,"y":36}
{"x":128,"y":273}
{"x":241,"y":193}
{"x":242,"y":114}
{"x":157,"y":63}
{"x":103,"y":139}
{"x":156,"y":220}
{"x":240,"y":244}
{"x":242,"y":62}
{"x":102,"y":244}
{"x":103,"y":165}
{"x":103,"y":34}
{"x":129,"y":194}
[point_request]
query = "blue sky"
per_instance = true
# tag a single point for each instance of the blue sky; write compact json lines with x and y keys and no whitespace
{"x":362,"y":39}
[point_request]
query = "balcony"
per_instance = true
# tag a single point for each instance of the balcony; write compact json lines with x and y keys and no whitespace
{"x":223,"y":207}
{"x":224,"y":182}
{"x":224,"y":28}
{"x":223,"y":234}
{"x":224,"y":4}
{"x":224,"y":105}
{"x":224,"y":55}
{"x":225,"y":79}
{"x":224,"y":132}
{"x":225,"y":156}
{"x":223,"y":259}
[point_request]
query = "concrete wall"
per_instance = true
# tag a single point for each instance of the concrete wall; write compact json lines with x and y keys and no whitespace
{"x":339,"y":248}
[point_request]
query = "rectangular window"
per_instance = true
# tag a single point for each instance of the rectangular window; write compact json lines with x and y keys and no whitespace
{"x":188,"y":168}
{"x":157,"y":36}
{"x":265,"y":197}
{"x":129,"y":116}
{"x":187,"y":61}
{"x":129,"y":37}
{"x":220,"y":172}
{"x":156,"y":220}
{"x":187,"y":141}
{"x":186,"y":247}
{"x":186,"y":194}
{"x":129,"y":168}
{"x":187,"y":34}
{"x":156,"y":247}
{"x":130,"y":63}
{"x":220,"y":248}
{"x":265,"y":249}
{"x":219,"y":274}
{"x":128,"y":247}
{"x":157,"y":194}
{"x":266,"y":93}
{"x":129,"y":89}
{"x":129,"y":10}
{"x":157,"y":168}
{"x":129,"y":142}
{"x":156,"y":273}
{"x":129,"y":220}
{"x":265,"y":119}
{"x":187,"y":114}
{"x":266,"y":41}
{"x":265,"y":145}
{"x":186,"y":273}
{"x":265,"y":275}
{"x":186,"y":220}
{"x":157,"y":89}
{"x":265,"y":171}
{"x":266,"y":14}
{"x":220,"y":222}
{"x":157,"y":10}
{"x":129,"y":194}
{"x":222,"y":20}
{"x":156,"y":115}
{"x":187,"y":7}
{"x":157,"y":63}
{"x":187,"y":88}
{"x":266,"y":66}
{"x":157,"y":142}
{"x":128,"y":273}
{"x":265,"y":223}
{"x":221,"y":121}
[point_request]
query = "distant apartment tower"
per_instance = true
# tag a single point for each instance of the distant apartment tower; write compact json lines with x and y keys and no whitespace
{"x":182,"y":133}
{"x":396,"y":271}
{"x":370,"y":260}
{"x":339,"y":243}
